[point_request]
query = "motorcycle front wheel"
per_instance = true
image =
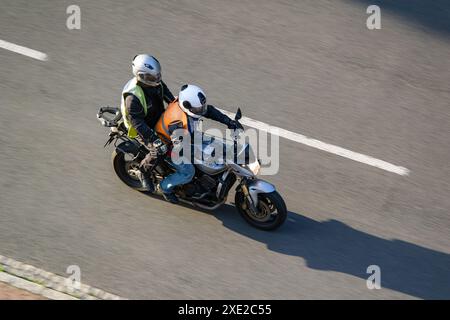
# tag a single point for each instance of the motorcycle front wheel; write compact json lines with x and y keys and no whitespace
{"x":271,"y":210}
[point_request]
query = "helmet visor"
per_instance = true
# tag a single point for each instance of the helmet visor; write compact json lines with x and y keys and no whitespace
{"x":200,"y":111}
{"x":149,"y":79}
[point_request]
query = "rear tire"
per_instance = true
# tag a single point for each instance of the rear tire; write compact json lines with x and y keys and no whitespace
{"x":124,"y":168}
{"x":268,"y":203}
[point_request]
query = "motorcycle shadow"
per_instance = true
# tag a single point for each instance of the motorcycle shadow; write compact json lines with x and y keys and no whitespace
{"x":334,"y":246}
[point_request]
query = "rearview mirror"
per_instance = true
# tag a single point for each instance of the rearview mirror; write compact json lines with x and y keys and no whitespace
{"x":238,"y":114}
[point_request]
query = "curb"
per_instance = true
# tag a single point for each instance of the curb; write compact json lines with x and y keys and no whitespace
{"x":47,"y":284}
{"x":33,"y":287}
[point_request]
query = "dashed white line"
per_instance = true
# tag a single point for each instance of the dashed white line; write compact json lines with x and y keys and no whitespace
{"x":23,"y":50}
{"x":314,"y":143}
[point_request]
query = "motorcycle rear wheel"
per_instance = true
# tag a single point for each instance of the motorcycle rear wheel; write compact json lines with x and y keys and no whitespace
{"x":125,"y":168}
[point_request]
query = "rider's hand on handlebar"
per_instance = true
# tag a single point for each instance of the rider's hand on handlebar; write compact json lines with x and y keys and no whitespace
{"x":233,"y":125}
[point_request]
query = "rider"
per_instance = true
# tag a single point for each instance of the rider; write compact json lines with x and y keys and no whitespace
{"x":142,"y":104}
{"x":184,"y":112}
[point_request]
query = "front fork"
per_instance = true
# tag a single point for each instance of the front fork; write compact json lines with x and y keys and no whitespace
{"x":251,"y":205}
{"x":251,"y":188}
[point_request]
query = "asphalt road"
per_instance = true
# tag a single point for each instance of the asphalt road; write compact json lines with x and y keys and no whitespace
{"x":311,"y":67}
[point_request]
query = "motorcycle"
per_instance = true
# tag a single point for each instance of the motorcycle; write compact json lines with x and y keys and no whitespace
{"x":256,"y":200}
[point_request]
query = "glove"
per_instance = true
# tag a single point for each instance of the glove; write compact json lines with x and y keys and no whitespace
{"x":233,"y":125}
{"x":160,"y":147}
{"x":156,"y":147}
{"x":152,"y":150}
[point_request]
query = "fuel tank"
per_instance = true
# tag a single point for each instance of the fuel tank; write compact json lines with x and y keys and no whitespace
{"x":211,"y":168}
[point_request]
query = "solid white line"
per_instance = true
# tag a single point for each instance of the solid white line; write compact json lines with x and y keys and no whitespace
{"x":23,"y":50}
{"x":371,"y":161}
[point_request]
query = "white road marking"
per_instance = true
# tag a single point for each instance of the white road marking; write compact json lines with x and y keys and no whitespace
{"x":371,"y":161}
{"x":23,"y":50}
{"x":299,"y":138}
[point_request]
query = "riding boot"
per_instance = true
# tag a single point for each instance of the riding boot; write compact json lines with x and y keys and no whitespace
{"x":147,"y":183}
{"x":171,"y":197}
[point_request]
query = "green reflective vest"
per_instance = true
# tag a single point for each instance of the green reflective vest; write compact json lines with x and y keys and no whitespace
{"x":132,"y":88}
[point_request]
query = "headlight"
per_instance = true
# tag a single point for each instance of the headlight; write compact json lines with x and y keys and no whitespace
{"x":254,"y":167}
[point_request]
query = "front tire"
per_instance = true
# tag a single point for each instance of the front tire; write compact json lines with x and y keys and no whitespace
{"x":272,"y":211}
{"x":125,"y":168}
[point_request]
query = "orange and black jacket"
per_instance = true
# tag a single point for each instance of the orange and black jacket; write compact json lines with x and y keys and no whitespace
{"x":174,"y":117}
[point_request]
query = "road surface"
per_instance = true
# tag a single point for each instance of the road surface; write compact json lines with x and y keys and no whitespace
{"x":310,"y":67}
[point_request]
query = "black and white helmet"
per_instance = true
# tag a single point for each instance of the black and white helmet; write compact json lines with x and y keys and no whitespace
{"x":192,"y":100}
{"x":147,"y":69}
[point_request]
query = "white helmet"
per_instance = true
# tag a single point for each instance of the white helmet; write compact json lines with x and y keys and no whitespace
{"x":192,"y":100}
{"x":147,"y":69}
